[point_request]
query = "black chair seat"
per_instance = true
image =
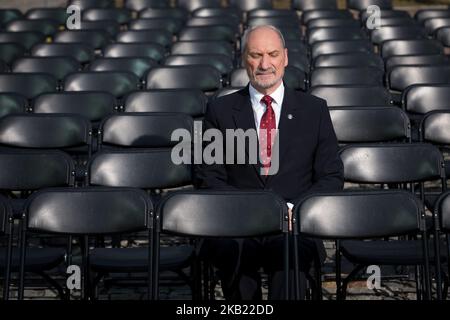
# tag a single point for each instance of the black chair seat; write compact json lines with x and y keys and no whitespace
{"x":136,"y":259}
{"x":37,"y":259}
{"x":378,"y":252}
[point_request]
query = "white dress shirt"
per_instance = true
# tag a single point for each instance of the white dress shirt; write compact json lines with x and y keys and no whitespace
{"x":259,"y":108}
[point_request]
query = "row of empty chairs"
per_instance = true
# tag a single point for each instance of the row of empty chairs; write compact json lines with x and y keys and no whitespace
{"x":89,"y":114}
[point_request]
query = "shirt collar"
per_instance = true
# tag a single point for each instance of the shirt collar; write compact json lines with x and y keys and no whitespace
{"x":256,"y":96}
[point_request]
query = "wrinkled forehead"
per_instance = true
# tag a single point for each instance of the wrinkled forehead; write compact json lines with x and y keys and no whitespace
{"x":264,"y":39}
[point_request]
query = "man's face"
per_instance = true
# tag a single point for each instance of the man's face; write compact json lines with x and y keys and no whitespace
{"x":265,"y":59}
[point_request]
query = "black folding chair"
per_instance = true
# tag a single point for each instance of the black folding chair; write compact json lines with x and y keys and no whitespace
{"x":83,"y":53}
{"x":138,"y":5}
{"x":167,"y":100}
{"x":12,"y":103}
{"x":29,"y":85}
{"x":45,"y":26}
{"x":394,"y":164}
{"x":26,"y":39}
{"x":362,"y":215}
{"x":121,"y":16}
{"x":361,"y":5}
{"x":57,"y":14}
{"x":86,"y":212}
{"x":234,"y":214}
{"x":349,"y":96}
{"x":150,"y":50}
{"x":97,"y":39}
{"x":10,"y":52}
{"x":372,"y":76}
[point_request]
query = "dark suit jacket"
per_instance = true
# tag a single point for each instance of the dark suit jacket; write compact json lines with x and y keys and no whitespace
{"x":308,"y":148}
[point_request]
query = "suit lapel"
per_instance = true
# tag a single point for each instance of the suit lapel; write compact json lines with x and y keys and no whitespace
{"x":244,"y":119}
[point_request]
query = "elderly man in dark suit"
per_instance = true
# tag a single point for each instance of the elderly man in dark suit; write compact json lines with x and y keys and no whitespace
{"x":307,"y":156}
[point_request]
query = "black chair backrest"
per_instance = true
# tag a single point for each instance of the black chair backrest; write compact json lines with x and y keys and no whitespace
{"x":225,"y":91}
{"x":86,"y":4}
{"x":443,"y":35}
{"x":12,"y":103}
{"x":211,"y":33}
{"x":10,"y":52}
{"x":202,"y":47}
{"x":220,"y":62}
{"x":432,"y":25}
{"x":151,"y":13}
{"x":443,"y":209}
{"x":412,"y":60}
{"x":230,"y":21}
{"x":217,"y":12}
{"x":385,"y":14}
{"x":347,"y":215}
{"x":57,"y":14}
{"x":402,"y":77}
{"x":171,"y":25}
{"x":293,"y":78}
{"x":340,"y":46}
{"x":411,"y":47}
{"x":435,"y":127}
{"x":353,"y":59}
{"x":30,"y":85}
{"x":7,"y":15}
{"x":425,"y":98}
{"x":375,"y":124}
{"x":361,"y":5}
{"x":44,"y":26}
{"x":333,"y":22}
{"x":205,"y":78}
{"x":190,"y":102}
{"x":378,"y":36}
{"x":58,"y":67}
{"x":264,"y":13}
{"x":138,"y":66}
{"x":50,"y":131}
{"x":117,"y":83}
{"x":138,"y":168}
{"x":26,"y":39}
{"x":35,"y":169}
{"x":122,"y":16}
{"x":347,"y":76}
{"x":159,"y":36}
{"x":138,"y":5}
{"x":97,"y":39}
{"x":305,"y":5}
{"x":91,"y":105}
{"x":285,"y":22}
{"x":347,"y":96}
{"x":191,"y":5}
{"x":149,"y":50}
{"x":248,"y":5}
{"x":110,"y":26}
{"x":332,"y":33}
{"x":299,"y":60}
{"x":223,"y":213}
{"x":88,"y":211}
{"x":391,"y":163}
{"x":325,"y":14}
{"x":83,"y":53}
{"x":143,"y":130}
{"x":424,"y":14}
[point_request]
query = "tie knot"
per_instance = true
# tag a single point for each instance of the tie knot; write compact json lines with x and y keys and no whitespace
{"x":267,"y":100}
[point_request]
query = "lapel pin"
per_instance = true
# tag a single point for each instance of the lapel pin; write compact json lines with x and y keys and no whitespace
{"x":290,"y":116}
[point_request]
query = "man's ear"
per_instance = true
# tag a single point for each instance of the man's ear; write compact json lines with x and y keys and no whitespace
{"x":285,"y":57}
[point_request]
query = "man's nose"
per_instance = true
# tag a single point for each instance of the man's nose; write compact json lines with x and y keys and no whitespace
{"x":265,"y":62}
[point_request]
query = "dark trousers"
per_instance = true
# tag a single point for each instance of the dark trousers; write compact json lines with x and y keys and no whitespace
{"x":239,"y":260}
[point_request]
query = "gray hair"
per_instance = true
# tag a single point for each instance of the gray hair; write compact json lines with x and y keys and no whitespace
{"x":247,"y":32}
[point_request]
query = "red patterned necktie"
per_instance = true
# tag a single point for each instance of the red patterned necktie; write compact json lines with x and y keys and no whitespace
{"x":268,"y":123}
